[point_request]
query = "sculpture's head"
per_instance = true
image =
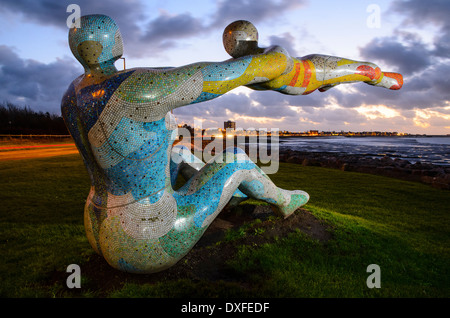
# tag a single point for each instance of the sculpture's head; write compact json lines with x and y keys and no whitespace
{"x":240,"y":38}
{"x":96,"y":42}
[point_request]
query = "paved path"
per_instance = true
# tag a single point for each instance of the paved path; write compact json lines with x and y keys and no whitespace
{"x":18,"y":152}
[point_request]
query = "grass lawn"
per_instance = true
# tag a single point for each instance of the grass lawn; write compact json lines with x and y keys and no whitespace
{"x":403,"y":227}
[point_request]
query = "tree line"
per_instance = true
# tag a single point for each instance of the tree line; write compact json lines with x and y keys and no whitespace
{"x":16,"y":120}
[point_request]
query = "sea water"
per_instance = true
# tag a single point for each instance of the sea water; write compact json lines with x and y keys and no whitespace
{"x":435,"y":150}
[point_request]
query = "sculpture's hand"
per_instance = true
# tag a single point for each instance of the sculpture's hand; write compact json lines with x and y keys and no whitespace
{"x":323,"y":72}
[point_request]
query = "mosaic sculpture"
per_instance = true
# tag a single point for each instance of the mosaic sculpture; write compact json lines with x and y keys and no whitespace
{"x":122,"y":124}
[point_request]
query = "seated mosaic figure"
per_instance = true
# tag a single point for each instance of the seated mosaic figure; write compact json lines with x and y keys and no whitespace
{"x":122,"y":124}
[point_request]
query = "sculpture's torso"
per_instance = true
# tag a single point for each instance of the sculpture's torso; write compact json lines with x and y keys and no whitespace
{"x":126,"y":149}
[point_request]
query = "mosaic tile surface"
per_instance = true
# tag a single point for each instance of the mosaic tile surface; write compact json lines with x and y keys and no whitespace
{"x":122,"y":124}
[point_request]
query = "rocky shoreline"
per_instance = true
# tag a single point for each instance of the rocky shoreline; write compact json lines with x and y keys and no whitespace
{"x":434,"y":175}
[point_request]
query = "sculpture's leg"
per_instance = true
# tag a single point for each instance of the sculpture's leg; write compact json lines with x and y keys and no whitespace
{"x":183,"y":162}
{"x":331,"y":71}
{"x":214,"y":185}
{"x":187,"y":164}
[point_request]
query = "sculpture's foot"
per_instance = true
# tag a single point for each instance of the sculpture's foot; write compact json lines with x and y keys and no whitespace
{"x":390,"y":80}
{"x":297,"y":198}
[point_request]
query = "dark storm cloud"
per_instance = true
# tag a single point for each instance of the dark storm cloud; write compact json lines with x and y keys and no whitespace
{"x":435,"y":88}
{"x":166,"y":29}
{"x":285,"y":40}
{"x":268,"y":104}
{"x":34,"y":83}
{"x":42,"y":12}
{"x":436,"y":12}
{"x":406,"y":50}
{"x":261,"y":10}
{"x":257,"y":104}
{"x":418,"y":11}
{"x":163,"y":31}
{"x":42,"y":85}
{"x":315,"y":99}
{"x":426,"y":87}
{"x":29,"y":82}
{"x":424,"y":67}
{"x":53,"y":13}
{"x":127,"y":14}
{"x":160,"y":32}
{"x":406,"y":59}
{"x":238,"y":105}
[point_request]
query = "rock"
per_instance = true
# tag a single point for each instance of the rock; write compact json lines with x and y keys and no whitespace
{"x":386,"y":159}
{"x":441,"y":183}
{"x":430,"y":173}
{"x":401,"y":162}
{"x":293,"y":159}
{"x":310,"y":162}
{"x":426,"y":179}
{"x":436,"y":176}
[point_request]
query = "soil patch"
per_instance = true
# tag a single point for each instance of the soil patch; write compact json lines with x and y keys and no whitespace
{"x":208,"y":259}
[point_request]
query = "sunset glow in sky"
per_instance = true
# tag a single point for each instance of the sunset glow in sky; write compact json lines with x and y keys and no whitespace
{"x":411,"y":37}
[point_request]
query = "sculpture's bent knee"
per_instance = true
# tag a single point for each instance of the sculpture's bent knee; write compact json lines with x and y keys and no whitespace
{"x":141,"y":236}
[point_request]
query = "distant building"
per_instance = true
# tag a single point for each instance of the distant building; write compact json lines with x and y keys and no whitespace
{"x":229,"y":124}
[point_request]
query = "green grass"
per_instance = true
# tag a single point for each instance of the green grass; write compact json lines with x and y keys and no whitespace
{"x":41,"y":221}
{"x":401,"y":226}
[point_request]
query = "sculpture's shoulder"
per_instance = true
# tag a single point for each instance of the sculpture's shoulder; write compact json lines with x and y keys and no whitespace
{"x":75,"y":84}
{"x":276,"y":49}
{"x":146,"y":70}
{"x":69,"y":97}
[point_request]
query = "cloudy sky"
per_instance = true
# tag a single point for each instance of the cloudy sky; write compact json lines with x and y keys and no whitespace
{"x":411,"y":37}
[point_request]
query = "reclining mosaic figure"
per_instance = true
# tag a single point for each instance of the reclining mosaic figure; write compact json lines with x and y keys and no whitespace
{"x":122,"y":124}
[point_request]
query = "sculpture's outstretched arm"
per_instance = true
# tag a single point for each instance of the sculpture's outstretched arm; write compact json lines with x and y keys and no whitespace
{"x":323,"y":72}
{"x":221,"y":77}
{"x":158,"y":91}
{"x":308,"y":73}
